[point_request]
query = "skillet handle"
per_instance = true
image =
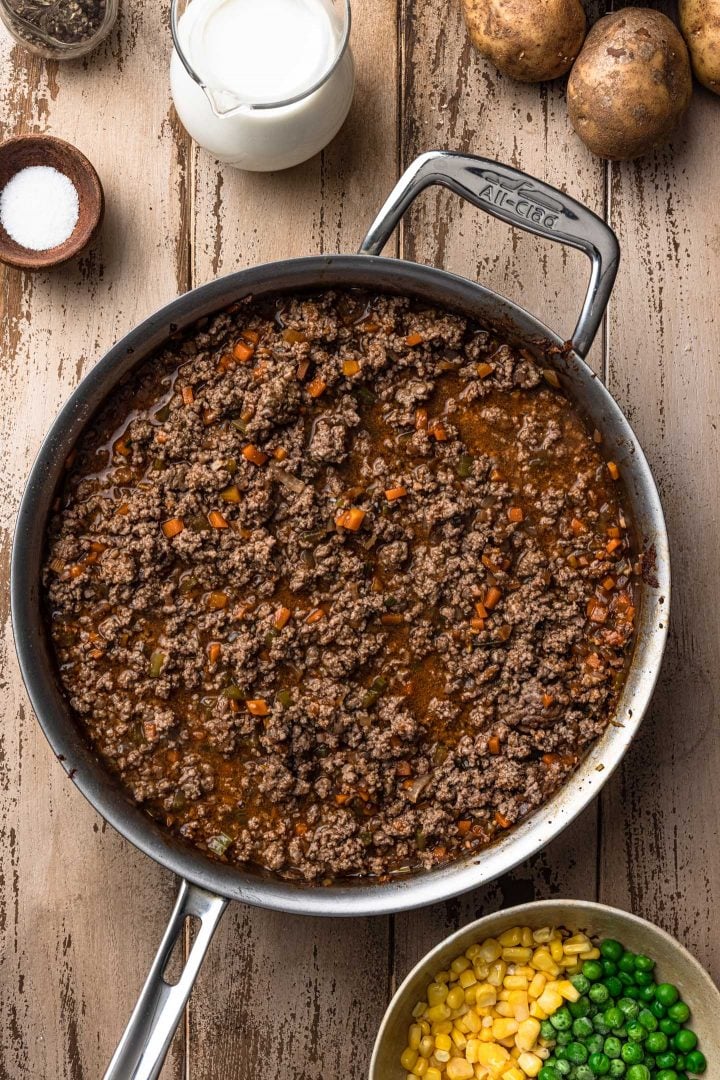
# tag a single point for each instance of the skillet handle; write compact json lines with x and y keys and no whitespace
{"x":146,"y":1040}
{"x":519,"y":200}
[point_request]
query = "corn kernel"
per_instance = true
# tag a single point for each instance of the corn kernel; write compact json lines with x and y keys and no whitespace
{"x":501,"y":1029}
{"x":578,"y":944}
{"x":515,"y":982}
{"x":408,"y":1058}
{"x":594,"y":954}
{"x":527,"y":1034}
{"x":530,"y":1064}
{"x":444,"y":1027}
{"x":460,"y":1069}
{"x":471,"y":1021}
{"x":490,"y":951}
{"x":556,"y":951}
{"x":426,"y":1047}
{"x":436,"y":993}
{"x":467,"y":978}
{"x":461,"y":964}
{"x":550,"y":1000}
{"x":513,"y":1073}
{"x":537,"y":1012}
{"x":568,"y":991}
{"x":414,"y":1036}
{"x":493,"y":1056}
{"x":537,"y":985}
{"x":421,"y":1067}
{"x":543,"y":961}
{"x":510,"y":937}
{"x":542,"y":936}
{"x":438,"y":1012}
{"x":443,"y":1042}
{"x":433,"y":1074}
{"x":498,"y":971}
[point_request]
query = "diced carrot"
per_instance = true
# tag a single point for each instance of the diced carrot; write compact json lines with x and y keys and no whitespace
{"x":214,"y":650}
{"x":577,"y":526}
{"x":282,"y":617}
{"x":341,"y":799}
{"x":501,"y":820}
{"x":316,"y":615}
{"x":301,"y":827}
{"x":515,"y":515}
{"x":187,"y":395}
{"x":351,"y":519}
{"x":303,"y":368}
{"x":403,"y":768}
{"x":97,"y":546}
{"x":421,"y":419}
{"x":550,"y":759}
{"x":494,"y":745}
{"x":161,"y":437}
{"x":613,"y":470}
{"x":492,"y":597}
{"x":481,"y":610}
{"x":217,"y":601}
{"x":260,"y":370}
{"x":231,"y":494}
{"x":599,"y":613}
{"x":477,"y":624}
{"x":439,"y":852}
{"x":439,"y":431}
{"x":217,"y":520}
{"x":497,"y":476}
{"x":243,"y":352}
{"x":76,"y":570}
{"x":173,"y":527}
{"x":121,"y":447}
{"x":464,"y":827}
{"x":293,"y":337}
{"x":608,"y":584}
{"x":614,"y":533}
{"x":414,"y":339}
{"x":317,"y":387}
{"x":279,"y":453}
{"x":391,"y":494}
{"x":251,"y":453}
{"x":612,"y":545}
{"x":547,"y":700}
{"x":350,"y":368}
{"x":122,"y":510}
{"x":258,"y":707}
{"x":252,"y":336}
{"x":392,"y":619}
{"x":484,"y":370}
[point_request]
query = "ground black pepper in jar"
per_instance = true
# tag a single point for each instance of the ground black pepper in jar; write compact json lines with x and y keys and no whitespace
{"x":59,"y":29}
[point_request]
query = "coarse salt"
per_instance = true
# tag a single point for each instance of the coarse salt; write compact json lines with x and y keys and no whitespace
{"x":39,"y":207}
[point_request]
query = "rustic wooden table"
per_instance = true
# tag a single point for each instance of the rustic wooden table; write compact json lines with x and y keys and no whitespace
{"x":80,"y":911}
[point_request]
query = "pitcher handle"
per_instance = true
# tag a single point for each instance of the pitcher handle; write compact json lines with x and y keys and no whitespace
{"x":519,"y":200}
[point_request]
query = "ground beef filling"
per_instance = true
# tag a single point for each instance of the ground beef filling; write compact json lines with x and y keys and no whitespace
{"x":340,"y":586}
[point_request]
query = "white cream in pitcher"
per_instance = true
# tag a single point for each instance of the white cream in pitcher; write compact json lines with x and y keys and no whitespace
{"x":242,"y":59}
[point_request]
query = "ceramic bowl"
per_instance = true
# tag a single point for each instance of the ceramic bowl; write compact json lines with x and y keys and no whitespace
{"x":674,"y":964}
{"x":27,"y":150}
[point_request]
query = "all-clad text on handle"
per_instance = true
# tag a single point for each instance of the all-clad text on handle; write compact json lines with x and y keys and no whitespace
{"x":519,"y":200}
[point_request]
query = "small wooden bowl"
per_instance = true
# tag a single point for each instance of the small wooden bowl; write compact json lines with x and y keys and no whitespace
{"x":27,"y":150}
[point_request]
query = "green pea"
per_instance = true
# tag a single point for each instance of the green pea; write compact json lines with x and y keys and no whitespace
{"x":547,"y":1031}
{"x":615,"y":987}
{"x":611,"y":949}
{"x":579,"y":1008}
{"x":576,"y":1053}
{"x":666,"y":1074}
{"x":609,"y":967}
{"x":638,"y":1072}
{"x":617,"y":1068}
{"x":657,"y":1008}
{"x":644,"y":963}
{"x":685,"y":1041}
{"x":625,"y":978}
{"x":669,"y":1027}
{"x":680,"y":1061}
{"x":667,"y":1060}
{"x":627,"y":963}
{"x":563,"y":1037}
{"x":632,"y":1053}
{"x":584,"y":1072}
{"x":613,"y":1017}
{"x":679,"y":1012}
{"x":582,"y":1027}
{"x":592,"y":970}
{"x":649,"y":1062}
{"x":581,"y":983}
{"x":630,"y":1009}
{"x":595,"y":1043}
{"x":600,"y":1024}
{"x":636,"y":1032}
{"x":656,"y":1042}
{"x":599,"y":993}
{"x":600,"y":1064}
{"x":667,"y":994}
{"x":562,"y":1020}
{"x":612,"y":1046}
{"x":549,"y":1073}
{"x":563,"y":1067}
{"x":633,"y":992}
{"x":644,"y":978}
{"x":648,"y":1021}
{"x":647,"y":993}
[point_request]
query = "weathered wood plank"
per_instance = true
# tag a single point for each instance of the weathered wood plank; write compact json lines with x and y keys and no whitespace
{"x":452,"y":99}
{"x":659,"y":851}
{"x":80,"y":911}
{"x":296,"y":996}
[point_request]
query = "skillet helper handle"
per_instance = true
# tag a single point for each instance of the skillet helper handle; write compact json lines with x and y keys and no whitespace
{"x":519,"y":200}
{"x":146,"y":1040}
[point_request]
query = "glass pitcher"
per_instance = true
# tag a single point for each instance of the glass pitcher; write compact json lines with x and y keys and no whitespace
{"x":283,"y":98}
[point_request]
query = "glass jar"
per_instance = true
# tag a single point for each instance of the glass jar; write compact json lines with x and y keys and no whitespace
{"x":262,"y":84}
{"x":59,"y":29}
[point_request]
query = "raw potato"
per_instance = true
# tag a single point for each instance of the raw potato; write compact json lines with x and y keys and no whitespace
{"x":700,"y":24}
{"x":529,"y":40}
{"x":630,"y":84}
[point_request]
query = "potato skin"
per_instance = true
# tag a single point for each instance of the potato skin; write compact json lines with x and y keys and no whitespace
{"x":528,"y":40}
{"x":630,"y":85}
{"x":700,"y":24}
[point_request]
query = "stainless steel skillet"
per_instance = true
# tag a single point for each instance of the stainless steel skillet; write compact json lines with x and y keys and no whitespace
{"x":207,"y":886}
